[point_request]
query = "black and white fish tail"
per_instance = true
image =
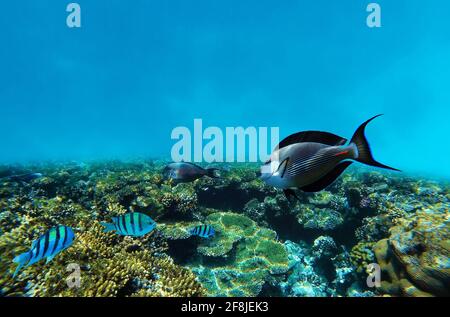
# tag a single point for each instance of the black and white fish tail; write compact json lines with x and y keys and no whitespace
{"x":364,"y":154}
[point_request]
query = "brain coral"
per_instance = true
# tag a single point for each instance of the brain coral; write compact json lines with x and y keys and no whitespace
{"x":415,"y":259}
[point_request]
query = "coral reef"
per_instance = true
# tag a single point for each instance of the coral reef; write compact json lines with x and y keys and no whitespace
{"x":319,"y":218}
{"x":303,"y":280}
{"x":362,"y":255}
{"x":239,"y":259}
{"x":264,"y":245}
{"x":415,"y":259}
{"x":109,"y":266}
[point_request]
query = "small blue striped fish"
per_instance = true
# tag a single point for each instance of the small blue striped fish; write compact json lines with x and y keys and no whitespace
{"x":133,"y":224}
{"x":204,"y":231}
{"x":46,"y":246}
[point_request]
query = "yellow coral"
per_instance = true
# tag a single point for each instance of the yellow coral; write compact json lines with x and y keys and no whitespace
{"x":416,"y":257}
{"x":361,"y":256}
{"x":110,"y":266}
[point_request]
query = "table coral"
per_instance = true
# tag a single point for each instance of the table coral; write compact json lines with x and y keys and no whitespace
{"x":254,"y":256}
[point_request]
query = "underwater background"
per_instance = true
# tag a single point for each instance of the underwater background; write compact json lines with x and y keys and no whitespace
{"x":92,"y":110}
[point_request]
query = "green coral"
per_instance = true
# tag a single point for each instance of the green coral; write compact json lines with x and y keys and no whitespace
{"x":238,"y":260}
{"x":362,"y":255}
{"x":319,"y":218}
{"x":177,"y":230}
{"x":229,"y":228}
{"x":252,"y":256}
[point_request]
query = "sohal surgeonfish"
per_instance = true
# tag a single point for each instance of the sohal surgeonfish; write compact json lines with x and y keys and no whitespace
{"x":312,"y":160}
{"x":46,"y":246}
{"x":134,"y":224}
{"x":184,"y":172}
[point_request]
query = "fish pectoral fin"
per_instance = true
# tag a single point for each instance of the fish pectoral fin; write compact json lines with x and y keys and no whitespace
{"x":312,"y":136}
{"x":289,"y":193}
{"x":327,"y":179}
{"x":282,"y":168}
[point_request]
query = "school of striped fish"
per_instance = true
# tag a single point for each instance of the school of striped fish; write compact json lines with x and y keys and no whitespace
{"x":59,"y":238}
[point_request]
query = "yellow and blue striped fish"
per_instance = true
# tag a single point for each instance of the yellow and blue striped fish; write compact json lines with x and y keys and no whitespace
{"x":46,"y":246}
{"x":204,"y":231}
{"x":133,"y":224}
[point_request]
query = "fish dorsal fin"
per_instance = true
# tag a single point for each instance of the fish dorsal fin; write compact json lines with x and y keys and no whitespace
{"x":37,"y":240}
{"x":193,"y":164}
{"x":327,"y":179}
{"x":190,"y":163}
{"x":312,"y":136}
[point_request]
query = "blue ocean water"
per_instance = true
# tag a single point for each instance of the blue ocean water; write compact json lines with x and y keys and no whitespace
{"x":117,"y":86}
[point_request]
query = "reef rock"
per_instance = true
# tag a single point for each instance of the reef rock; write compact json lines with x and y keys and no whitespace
{"x":303,"y":280}
{"x":319,"y":218}
{"x":415,"y":259}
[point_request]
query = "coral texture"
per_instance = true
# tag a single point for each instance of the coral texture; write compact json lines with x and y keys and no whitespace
{"x":416,"y":256}
{"x":264,"y":245}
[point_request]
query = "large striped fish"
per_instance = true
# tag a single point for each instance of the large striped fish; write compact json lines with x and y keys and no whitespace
{"x":204,"y":231}
{"x":312,"y":160}
{"x":46,"y":246}
{"x":134,"y":224}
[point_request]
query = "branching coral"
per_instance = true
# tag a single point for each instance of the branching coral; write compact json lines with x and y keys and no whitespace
{"x":110,"y":266}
